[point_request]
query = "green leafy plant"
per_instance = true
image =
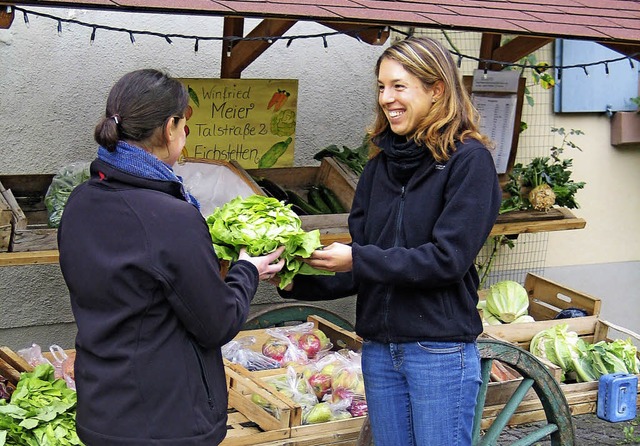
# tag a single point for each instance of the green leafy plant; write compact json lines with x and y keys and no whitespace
{"x":636,"y":101}
{"x":484,"y":264}
{"x":545,"y":181}
{"x":631,"y":436}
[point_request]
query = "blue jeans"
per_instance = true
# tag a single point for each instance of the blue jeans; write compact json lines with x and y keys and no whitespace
{"x":421,"y":393}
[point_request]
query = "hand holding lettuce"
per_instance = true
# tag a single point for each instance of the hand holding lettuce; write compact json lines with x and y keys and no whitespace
{"x":262,"y":224}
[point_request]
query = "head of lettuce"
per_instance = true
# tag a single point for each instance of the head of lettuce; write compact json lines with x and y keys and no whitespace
{"x":262,"y":224}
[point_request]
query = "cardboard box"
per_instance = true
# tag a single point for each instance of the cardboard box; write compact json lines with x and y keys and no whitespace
{"x":546,"y":300}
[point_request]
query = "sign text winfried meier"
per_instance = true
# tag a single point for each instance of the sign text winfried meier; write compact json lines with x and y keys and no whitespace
{"x":250,"y":121}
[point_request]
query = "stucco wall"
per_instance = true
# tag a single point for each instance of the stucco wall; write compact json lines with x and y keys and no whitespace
{"x":54,"y":89}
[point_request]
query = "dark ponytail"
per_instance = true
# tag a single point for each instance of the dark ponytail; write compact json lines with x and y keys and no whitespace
{"x":138,"y":104}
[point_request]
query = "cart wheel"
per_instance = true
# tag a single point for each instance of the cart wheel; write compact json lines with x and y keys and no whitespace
{"x":559,"y":427}
{"x":290,"y":314}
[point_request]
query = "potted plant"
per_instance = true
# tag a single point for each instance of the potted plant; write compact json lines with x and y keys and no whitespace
{"x":544,"y":182}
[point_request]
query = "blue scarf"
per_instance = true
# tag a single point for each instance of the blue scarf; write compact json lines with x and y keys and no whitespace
{"x":135,"y":161}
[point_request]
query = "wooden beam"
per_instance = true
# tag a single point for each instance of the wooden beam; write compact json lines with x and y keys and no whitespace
{"x":519,"y":47}
{"x":510,"y":52}
{"x":488,"y":44}
{"x":371,"y":34}
{"x":628,"y":49}
{"x":244,"y":52}
{"x":232,"y":27}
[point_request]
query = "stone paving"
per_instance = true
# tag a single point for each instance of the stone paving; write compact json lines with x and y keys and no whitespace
{"x":590,"y":431}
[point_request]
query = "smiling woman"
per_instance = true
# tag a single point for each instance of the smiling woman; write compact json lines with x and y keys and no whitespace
{"x":423,"y":207}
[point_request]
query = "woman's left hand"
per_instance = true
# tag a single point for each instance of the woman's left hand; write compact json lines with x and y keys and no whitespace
{"x":336,"y":258}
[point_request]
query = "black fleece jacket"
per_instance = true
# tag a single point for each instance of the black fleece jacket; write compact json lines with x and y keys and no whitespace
{"x":152,"y":312}
{"x":413,"y":247}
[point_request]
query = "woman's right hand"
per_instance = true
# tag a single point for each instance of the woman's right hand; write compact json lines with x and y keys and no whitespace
{"x":265,"y":265}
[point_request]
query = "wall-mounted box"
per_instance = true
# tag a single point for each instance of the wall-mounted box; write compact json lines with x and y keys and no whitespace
{"x":625,"y":128}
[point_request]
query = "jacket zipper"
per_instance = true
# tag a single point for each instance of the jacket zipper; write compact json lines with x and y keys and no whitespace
{"x":387,"y":298}
{"x":203,"y":374}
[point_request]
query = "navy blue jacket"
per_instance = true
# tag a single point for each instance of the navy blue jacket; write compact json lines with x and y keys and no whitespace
{"x":413,"y":248}
{"x":152,"y":312}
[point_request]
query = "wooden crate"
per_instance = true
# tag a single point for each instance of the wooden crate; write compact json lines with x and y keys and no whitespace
{"x":243,"y":383}
{"x":32,"y":234}
{"x":581,"y":397}
{"x":330,"y":173}
{"x":546,"y":300}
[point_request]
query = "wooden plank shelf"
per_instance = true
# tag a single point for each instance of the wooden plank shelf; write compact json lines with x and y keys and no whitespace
{"x":512,"y":223}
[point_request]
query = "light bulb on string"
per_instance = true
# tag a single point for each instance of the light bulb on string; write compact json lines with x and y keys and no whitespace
{"x":93,"y":36}
{"x":59,"y":27}
{"x":168,"y":40}
{"x":631,"y":63}
{"x":606,"y":68}
{"x":585,"y":71}
{"x":289,"y":42}
{"x":324,"y":41}
{"x":459,"y":61}
{"x":133,"y":39}
{"x":195,"y":46}
{"x":26,"y":18}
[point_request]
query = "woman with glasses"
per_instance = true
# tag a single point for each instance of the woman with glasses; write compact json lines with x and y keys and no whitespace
{"x":151,"y":307}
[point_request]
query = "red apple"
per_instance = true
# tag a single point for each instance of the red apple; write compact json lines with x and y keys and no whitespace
{"x":310,"y":343}
{"x":320,"y":383}
{"x":275,"y":349}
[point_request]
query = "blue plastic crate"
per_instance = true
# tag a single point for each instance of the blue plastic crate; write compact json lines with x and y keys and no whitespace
{"x":617,"y":393}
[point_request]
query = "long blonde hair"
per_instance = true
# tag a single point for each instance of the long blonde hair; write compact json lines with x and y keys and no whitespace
{"x":453,"y":117}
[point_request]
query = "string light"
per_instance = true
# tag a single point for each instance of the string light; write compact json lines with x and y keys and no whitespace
{"x":354,"y":33}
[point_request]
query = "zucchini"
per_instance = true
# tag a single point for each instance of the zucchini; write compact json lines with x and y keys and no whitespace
{"x":316,"y":200}
{"x":272,"y":189}
{"x":297,"y":200}
{"x":332,"y":201}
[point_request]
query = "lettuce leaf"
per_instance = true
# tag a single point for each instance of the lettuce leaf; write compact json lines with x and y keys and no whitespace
{"x":42,"y":411}
{"x":262,"y":224}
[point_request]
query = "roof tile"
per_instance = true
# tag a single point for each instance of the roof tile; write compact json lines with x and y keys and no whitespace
{"x":610,"y":20}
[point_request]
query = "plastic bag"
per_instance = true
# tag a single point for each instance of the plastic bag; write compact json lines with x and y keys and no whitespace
{"x":238,"y":351}
{"x":61,"y":187}
{"x":33,"y":355}
{"x":297,"y":344}
{"x":62,"y":363}
{"x":347,"y":380}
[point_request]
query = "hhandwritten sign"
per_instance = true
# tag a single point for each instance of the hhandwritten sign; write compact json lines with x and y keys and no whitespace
{"x":250,"y":121}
